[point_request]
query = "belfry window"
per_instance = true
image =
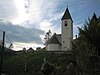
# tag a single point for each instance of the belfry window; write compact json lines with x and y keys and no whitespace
{"x":65,"y":23}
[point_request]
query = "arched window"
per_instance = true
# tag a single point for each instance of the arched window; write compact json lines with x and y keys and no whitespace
{"x":65,"y":23}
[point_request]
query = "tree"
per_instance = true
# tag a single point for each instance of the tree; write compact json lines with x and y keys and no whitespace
{"x":87,"y":44}
{"x":82,"y":52}
{"x":48,"y":36}
{"x":91,"y":32}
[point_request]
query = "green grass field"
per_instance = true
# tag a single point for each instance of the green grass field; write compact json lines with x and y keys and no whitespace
{"x":14,"y":64}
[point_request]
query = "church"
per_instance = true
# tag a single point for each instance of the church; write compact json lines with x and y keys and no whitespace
{"x":63,"y":41}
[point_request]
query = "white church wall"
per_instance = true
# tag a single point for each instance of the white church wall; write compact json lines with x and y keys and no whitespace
{"x":67,"y":34}
{"x":53,"y":47}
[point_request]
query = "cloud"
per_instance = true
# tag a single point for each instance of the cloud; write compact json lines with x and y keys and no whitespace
{"x":39,"y":10}
{"x":21,"y":34}
{"x":8,"y":9}
{"x":20,"y":45}
{"x":42,"y":16}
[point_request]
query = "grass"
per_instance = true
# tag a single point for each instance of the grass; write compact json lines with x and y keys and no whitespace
{"x":14,"y":65}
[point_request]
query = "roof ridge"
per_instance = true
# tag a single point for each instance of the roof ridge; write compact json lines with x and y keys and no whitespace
{"x":54,"y":39}
{"x":58,"y":38}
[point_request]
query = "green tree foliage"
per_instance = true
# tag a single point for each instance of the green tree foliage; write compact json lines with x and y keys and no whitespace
{"x":83,"y":51}
{"x":91,"y":32}
{"x":87,"y":44}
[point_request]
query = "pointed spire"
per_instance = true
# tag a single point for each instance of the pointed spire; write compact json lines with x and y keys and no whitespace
{"x":66,"y":15}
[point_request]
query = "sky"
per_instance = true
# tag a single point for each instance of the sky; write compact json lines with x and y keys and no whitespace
{"x":27,"y":27}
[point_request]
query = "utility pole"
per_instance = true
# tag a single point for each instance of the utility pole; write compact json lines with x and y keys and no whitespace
{"x":2,"y":53}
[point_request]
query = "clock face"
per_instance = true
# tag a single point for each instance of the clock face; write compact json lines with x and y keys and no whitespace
{"x":65,"y":23}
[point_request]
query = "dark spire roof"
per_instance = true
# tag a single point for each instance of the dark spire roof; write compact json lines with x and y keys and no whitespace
{"x":66,"y":15}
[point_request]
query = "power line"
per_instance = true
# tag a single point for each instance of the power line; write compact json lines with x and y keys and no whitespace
{"x":11,"y":45}
{"x":8,"y":39}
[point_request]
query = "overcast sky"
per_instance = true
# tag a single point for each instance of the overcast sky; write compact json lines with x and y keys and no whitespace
{"x":42,"y":15}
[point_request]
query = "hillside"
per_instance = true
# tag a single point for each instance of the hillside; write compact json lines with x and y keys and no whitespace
{"x":14,"y":65}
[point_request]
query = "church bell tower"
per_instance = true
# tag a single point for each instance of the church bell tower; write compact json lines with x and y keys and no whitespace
{"x":67,"y":31}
